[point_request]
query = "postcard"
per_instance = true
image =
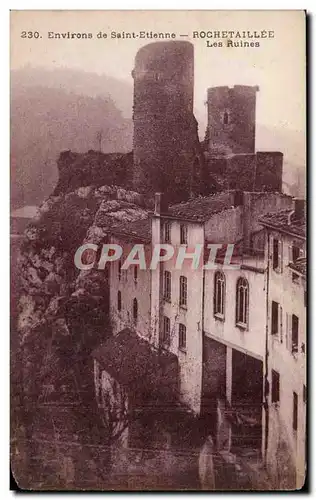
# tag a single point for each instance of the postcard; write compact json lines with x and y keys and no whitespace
{"x":158,"y":250}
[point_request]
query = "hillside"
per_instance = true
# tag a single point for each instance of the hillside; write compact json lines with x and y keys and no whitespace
{"x":47,"y":120}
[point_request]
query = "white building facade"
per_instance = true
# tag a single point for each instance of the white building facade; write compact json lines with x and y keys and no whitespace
{"x":220,"y":322}
{"x":286,"y":268}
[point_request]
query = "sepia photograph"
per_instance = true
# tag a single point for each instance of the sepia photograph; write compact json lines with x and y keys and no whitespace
{"x":158,"y":288}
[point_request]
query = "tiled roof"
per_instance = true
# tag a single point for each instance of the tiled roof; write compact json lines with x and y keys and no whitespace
{"x":285,"y":222}
{"x":130,"y":359}
{"x":201,"y":208}
{"x":299,"y":265}
{"x":124,"y":218}
{"x":138,"y":229}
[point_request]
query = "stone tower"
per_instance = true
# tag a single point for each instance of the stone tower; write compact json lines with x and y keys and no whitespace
{"x":231,"y":120}
{"x":167,"y":154}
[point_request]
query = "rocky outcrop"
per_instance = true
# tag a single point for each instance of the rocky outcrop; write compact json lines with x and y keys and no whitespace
{"x":64,"y":311}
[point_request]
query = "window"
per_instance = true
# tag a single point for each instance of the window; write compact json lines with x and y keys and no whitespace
{"x":276,"y":254}
{"x":242,"y":297}
{"x":167,"y":286}
{"x":183,"y":234}
{"x":295,"y":410}
{"x":294,"y":333}
{"x":119,"y":301}
{"x":304,"y":394}
{"x":275,"y":387}
{"x":135,"y":273}
{"x":166,"y":330}
{"x":295,"y":253}
{"x":182,"y":336}
{"x":119,"y":269}
{"x":167,"y":232}
{"x":135,"y":309}
{"x":183,"y":291}
{"x":219,"y":294}
{"x":225,"y":118}
{"x":274,"y":318}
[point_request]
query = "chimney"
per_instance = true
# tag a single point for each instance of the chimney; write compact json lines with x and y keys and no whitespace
{"x":161,"y":204}
{"x":299,"y":208}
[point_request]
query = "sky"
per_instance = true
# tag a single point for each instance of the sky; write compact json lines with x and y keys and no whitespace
{"x":278,"y":66}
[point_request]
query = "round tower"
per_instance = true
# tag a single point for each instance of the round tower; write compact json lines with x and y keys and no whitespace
{"x":165,"y":130}
{"x":231,"y":119}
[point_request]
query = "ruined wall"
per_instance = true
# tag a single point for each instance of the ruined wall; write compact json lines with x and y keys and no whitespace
{"x":93,"y":168}
{"x":167,"y":154}
{"x":231,"y":119}
{"x":269,"y":170}
{"x":241,"y":172}
{"x":261,"y":171}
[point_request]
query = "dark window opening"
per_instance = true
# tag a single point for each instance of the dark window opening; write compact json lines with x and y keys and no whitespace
{"x":182,"y":336}
{"x":295,"y":253}
{"x":304,"y":394}
{"x":166,"y":330}
{"x":225,"y":118}
{"x":275,"y":387}
{"x":275,"y":318}
{"x":167,"y":286}
{"x":295,"y":411}
{"x":167,"y":228}
{"x":135,"y":309}
{"x":119,"y":269}
{"x":294,"y":333}
{"x":275,"y":256}
{"x":183,"y":234}
{"x":183,"y":291}
{"x":219,"y":294}
{"x":242,"y":297}
{"x":119,"y":301}
{"x":135,"y":273}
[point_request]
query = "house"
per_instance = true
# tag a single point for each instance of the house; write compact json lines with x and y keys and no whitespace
{"x":174,"y":308}
{"x":131,"y":375}
{"x":286,"y":371}
{"x":183,"y":299}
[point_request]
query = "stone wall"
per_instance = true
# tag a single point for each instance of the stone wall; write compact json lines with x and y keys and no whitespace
{"x":231,"y":119}
{"x":261,"y":171}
